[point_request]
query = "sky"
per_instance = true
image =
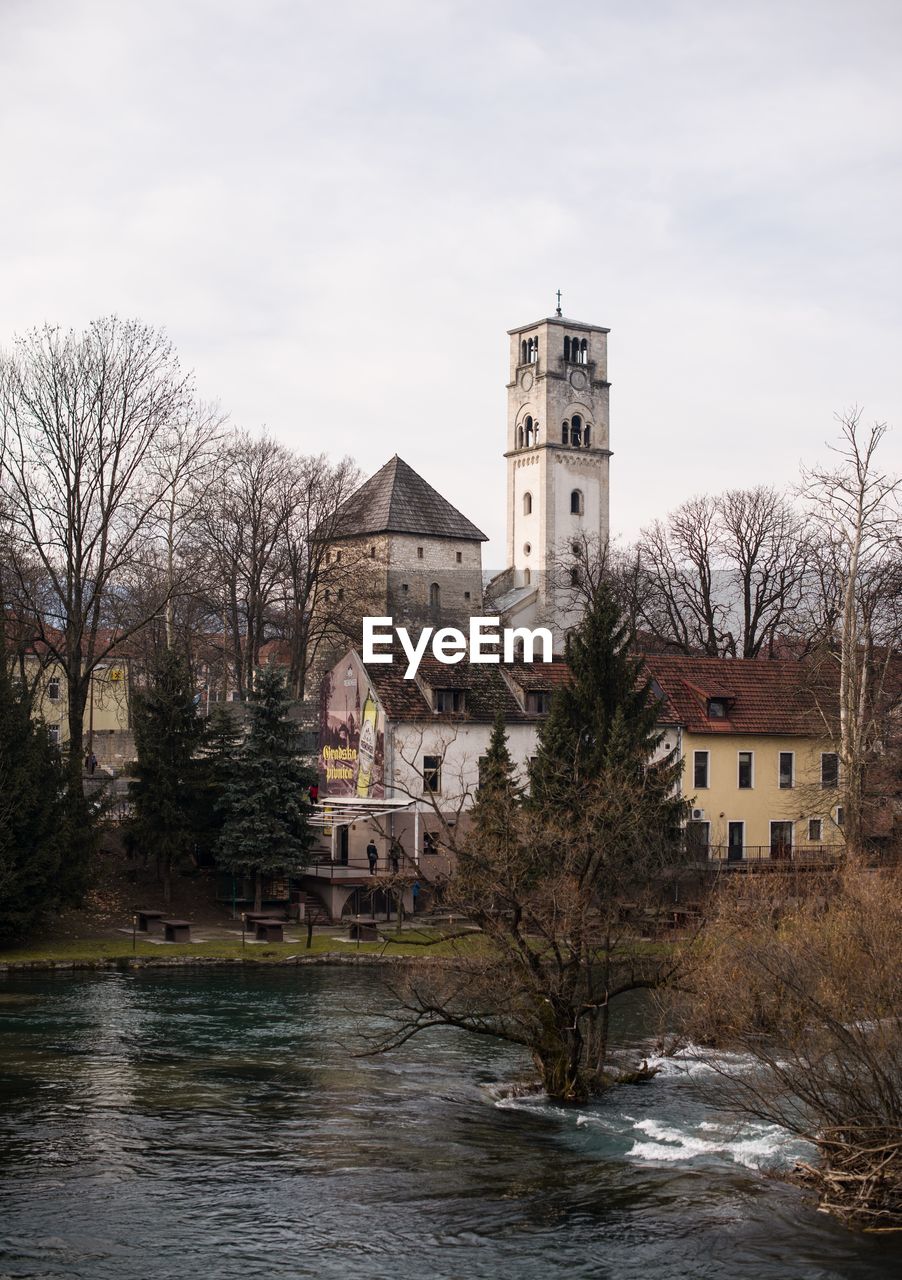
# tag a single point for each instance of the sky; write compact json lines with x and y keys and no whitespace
{"x":336,"y":211}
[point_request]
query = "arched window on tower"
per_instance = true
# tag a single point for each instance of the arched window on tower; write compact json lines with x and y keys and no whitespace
{"x":535,"y":432}
{"x":520,"y":437}
{"x":435,"y":596}
{"x":565,"y":432}
{"x":528,"y":425}
{"x":576,"y":430}
{"x":527,"y":504}
{"x":523,"y":352}
{"x":576,"y":502}
{"x":527,"y":577}
{"x":567,"y":350}
{"x":583,"y":351}
{"x":586,"y":434}
{"x":535,"y":351}
{"x":529,"y":349}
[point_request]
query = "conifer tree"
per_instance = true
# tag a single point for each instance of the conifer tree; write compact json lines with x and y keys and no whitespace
{"x":265,"y":806}
{"x":214,"y":767}
{"x":167,"y":730}
{"x":33,"y":826}
{"x":602,"y":723}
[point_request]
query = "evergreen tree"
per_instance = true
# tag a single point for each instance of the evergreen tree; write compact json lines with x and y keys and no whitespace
{"x":214,"y":767}
{"x":33,"y":816}
{"x":265,"y":805}
{"x":167,"y":730}
{"x":602,"y":724}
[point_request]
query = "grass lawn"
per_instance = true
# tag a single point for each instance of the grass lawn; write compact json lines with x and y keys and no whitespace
{"x":86,"y":951}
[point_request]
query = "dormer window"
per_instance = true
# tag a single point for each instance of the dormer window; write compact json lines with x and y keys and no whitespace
{"x":450,"y":701}
{"x":538,"y":702}
{"x":717,"y":708}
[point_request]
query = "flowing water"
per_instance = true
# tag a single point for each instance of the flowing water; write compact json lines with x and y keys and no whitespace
{"x":214,"y":1123}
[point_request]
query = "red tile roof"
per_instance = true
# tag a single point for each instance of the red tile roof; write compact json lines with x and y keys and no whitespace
{"x":762,"y":697}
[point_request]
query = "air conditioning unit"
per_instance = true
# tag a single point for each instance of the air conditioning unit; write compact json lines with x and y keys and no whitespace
{"x":698,"y":815}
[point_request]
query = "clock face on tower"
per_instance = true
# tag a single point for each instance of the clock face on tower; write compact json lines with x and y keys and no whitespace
{"x":526,"y":380}
{"x":578,"y":379}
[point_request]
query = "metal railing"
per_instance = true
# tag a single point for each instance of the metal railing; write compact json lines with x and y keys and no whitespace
{"x":750,"y":854}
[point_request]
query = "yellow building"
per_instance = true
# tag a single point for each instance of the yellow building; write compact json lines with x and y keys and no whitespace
{"x":107,"y":728}
{"x":758,"y":768}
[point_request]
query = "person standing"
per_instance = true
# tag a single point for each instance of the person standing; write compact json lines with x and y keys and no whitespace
{"x":372,"y":854}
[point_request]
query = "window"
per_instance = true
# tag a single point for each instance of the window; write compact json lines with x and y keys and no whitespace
{"x":527,"y":504}
{"x":430,"y":842}
{"x":466,"y":595}
{"x":538,"y":702}
{"x":583,"y":351}
{"x":236,"y":696}
{"x":53,"y":688}
{"x":574,"y":576}
{"x":372,"y":553}
{"x":449,"y":700}
{"x":527,"y":425}
{"x":419,"y":553}
{"x":746,"y":760}
{"x":576,"y":430}
{"x":523,"y":352}
{"x":527,"y":547}
{"x":787,"y":768}
{"x":576,"y":502}
{"x":717,"y":709}
{"x":567,"y":349}
{"x":519,"y":437}
{"x":432,"y":774}
{"x":815,"y":829}
{"x":829,"y":770}
{"x":586,"y":434}
{"x":53,"y":733}
{"x":434,"y":596}
{"x":459,"y":555}
{"x":405,"y":586}
{"x":700,"y":768}
{"x":840,"y":816}
{"x":565,"y":432}
{"x":527,"y":577}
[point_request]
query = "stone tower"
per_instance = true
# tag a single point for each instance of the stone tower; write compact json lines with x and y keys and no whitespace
{"x":557,"y":465}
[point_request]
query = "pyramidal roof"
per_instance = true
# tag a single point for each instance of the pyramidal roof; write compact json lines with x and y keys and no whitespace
{"x":397,"y":500}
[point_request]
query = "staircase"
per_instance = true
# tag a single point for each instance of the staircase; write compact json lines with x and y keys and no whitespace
{"x":313,"y":909}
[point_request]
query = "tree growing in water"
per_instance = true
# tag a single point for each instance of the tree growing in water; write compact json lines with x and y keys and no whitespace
{"x":265,"y":829}
{"x":167,"y":731}
{"x":547,"y":877}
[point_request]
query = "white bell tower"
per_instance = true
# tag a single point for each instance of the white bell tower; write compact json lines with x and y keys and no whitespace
{"x":557,"y":463}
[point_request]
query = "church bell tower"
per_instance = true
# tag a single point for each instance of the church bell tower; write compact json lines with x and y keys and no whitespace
{"x":557,"y":464}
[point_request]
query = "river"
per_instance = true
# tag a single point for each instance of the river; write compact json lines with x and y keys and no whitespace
{"x":214,"y":1123}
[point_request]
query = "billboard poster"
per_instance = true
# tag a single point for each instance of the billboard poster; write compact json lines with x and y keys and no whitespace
{"x":352,"y":734}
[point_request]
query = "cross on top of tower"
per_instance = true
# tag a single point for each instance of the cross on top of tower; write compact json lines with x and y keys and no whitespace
{"x":558,"y":312}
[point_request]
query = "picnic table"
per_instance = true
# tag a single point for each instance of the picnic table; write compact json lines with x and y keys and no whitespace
{"x":363,"y":929}
{"x":148,"y":919}
{"x":269,"y":930}
{"x":176,"y":930}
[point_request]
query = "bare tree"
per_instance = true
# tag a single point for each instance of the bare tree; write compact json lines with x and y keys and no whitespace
{"x":240,"y":523}
{"x":804,"y":994}
{"x":856,"y":508}
{"x":723,"y":575}
{"x":86,"y":418}
{"x":318,"y":590}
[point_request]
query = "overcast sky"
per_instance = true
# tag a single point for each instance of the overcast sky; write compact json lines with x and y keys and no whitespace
{"x":337,"y":210}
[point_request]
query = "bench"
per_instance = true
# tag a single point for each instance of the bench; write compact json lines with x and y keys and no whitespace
{"x":176,"y":930}
{"x":362,"y":929}
{"x":148,"y":920}
{"x":269,"y":930}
